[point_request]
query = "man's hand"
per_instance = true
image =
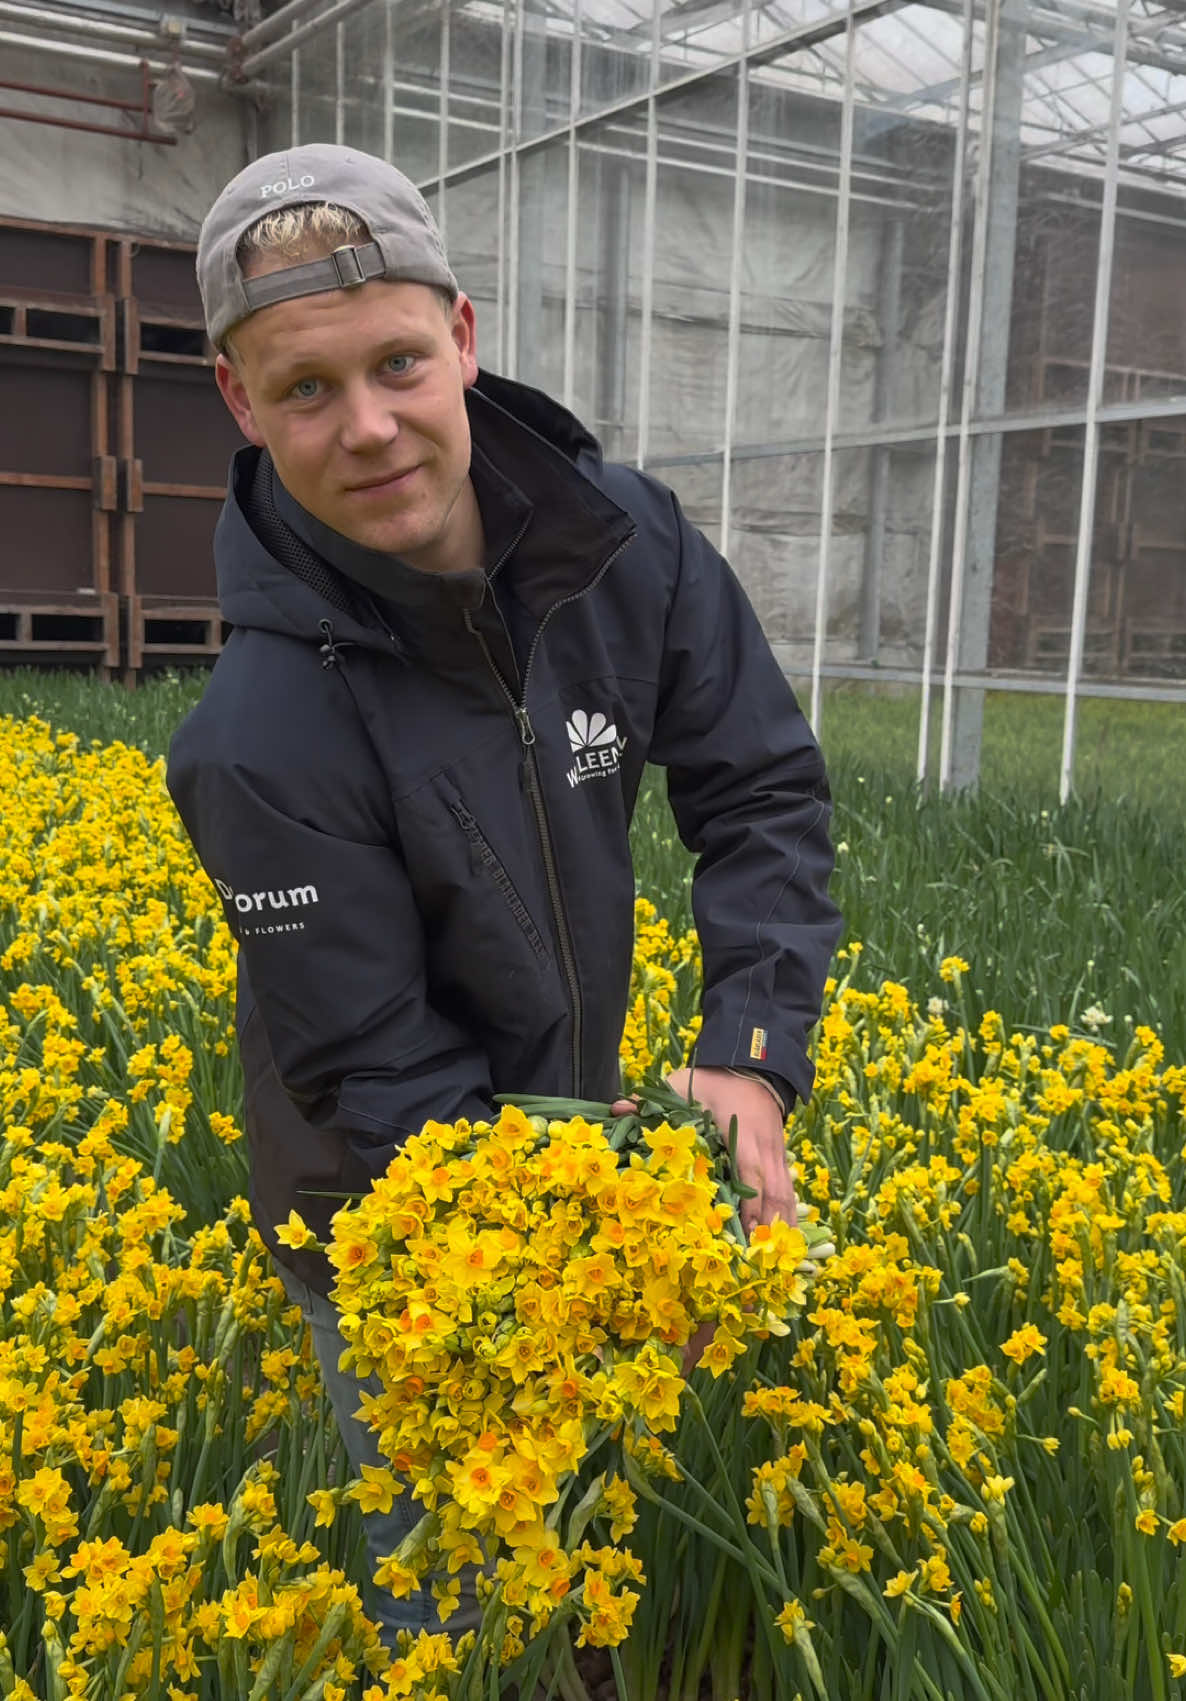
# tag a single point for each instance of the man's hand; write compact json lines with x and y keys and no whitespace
{"x":761,"y":1144}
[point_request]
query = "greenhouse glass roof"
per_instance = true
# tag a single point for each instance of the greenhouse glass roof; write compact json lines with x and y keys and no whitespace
{"x":908,"y":58}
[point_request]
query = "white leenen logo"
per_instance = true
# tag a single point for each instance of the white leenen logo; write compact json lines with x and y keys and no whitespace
{"x":596,"y":746}
{"x":255,"y":903}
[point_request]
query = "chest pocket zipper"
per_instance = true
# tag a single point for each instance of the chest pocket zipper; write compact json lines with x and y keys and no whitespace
{"x":490,"y":862}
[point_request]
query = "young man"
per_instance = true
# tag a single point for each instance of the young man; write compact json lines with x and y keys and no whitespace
{"x":458,"y":637}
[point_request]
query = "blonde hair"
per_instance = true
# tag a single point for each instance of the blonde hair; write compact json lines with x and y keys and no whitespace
{"x":306,"y":231}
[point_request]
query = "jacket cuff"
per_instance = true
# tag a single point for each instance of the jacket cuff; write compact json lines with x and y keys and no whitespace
{"x":788,"y":1070}
{"x":779,"y":1090}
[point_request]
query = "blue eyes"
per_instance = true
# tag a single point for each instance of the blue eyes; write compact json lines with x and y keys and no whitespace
{"x":308,"y":389}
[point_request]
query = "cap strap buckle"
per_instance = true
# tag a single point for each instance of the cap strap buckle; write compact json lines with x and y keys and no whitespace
{"x":345,"y":268}
{"x":348,"y":266}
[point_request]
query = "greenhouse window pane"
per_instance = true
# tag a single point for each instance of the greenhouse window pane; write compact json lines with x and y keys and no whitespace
{"x":318,"y":83}
{"x":365,"y":36}
{"x":611,"y":246}
{"x":775,"y":545}
{"x":693,"y":246}
{"x":475,"y":63}
{"x":543,"y":217}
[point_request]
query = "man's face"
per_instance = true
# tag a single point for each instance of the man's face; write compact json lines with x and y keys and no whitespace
{"x":359,"y":395}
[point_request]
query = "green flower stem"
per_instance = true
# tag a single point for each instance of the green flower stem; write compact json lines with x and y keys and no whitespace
{"x":750,"y":1558}
{"x":640,"y":1485}
{"x":335,"y":1618}
{"x":615,"y":1661}
{"x":967,"y":1664}
{"x":270,"y":1667}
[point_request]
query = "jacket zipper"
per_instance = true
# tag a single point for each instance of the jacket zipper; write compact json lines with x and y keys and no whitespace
{"x":499,"y":874}
{"x":518,"y":707}
{"x":551,"y":878}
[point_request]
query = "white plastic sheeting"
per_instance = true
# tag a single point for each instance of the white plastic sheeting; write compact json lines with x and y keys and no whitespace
{"x":74,"y":177}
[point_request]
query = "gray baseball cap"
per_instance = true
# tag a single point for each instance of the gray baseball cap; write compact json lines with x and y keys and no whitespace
{"x":405,"y":243}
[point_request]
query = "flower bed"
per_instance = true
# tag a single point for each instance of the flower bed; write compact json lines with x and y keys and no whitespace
{"x":961,"y":1472}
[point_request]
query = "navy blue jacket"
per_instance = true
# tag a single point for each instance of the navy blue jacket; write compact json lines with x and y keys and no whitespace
{"x":416,"y":809}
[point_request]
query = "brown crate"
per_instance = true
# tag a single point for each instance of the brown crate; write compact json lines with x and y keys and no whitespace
{"x":178,"y":628}
{"x":73,"y":628}
{"x":38,"y":257}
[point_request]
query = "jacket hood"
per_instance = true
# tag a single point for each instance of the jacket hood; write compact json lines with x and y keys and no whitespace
{"x":535,"y":466}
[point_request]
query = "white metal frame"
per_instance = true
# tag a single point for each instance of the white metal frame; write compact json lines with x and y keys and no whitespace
{"x":946,"y":380}
{"x":646,"y":329}
{"x":632,"y":124}
{"x":733,"y":350}
{"x":570,"y":221}
{"x":1095,"y":392}
{"x":972,"y":349}
{"x":835,"y":364}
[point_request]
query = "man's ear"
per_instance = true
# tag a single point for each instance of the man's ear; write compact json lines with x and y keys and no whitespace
{"x":234,"y":394}
{"x":464,"y":332}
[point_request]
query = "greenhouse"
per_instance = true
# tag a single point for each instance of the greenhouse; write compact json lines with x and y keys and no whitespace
{"x":887,"y":293}
{"x":592,"y":1025}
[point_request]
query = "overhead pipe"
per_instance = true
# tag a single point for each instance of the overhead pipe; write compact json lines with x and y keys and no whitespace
{"x":69,"y":94}
{"x":142,"y":108}
{"x":97,"y":55}
{"x":276,"y":23}
{"x":160,"y":138}
{"x":111,"y":32}
{"x":256,"y":61}
{"x":215,"y":28}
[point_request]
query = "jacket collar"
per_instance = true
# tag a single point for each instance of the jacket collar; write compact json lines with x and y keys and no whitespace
{"x":575,"y":529}
{"x":548,"y":526}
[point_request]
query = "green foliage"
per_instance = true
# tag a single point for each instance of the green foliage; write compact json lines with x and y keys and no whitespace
{"x":1126,"y":752}
{"x":1066,"y":914}
{"x":72,"y":701}
{"x":1057,"y":908}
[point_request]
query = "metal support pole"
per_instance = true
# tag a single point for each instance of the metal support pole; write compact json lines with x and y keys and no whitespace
{"x":1095,"y":395}
{"x":893,"y":240}
{"x":985,"y":366}
{"x":388,"y":80}
{"x":531,"y":173}
{"x":298,"y":34}
{"x":955,"y":250}
{"x":294,"y":89}
{"x":278,"y":22}
{"x":504,"y":78}
{"x":733,"y":356}
{"x":614,"y":200}
{"x":570,"y":237}
{"x":515,"y":304}
{"x":650,"y":213}
{"x":835,"y":356}
{"x":443,"y":128}
{"x":339,"y":83}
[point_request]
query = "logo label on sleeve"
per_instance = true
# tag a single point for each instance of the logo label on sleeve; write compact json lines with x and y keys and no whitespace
{"x":263,"y":905}
{"x":757,"y":1045}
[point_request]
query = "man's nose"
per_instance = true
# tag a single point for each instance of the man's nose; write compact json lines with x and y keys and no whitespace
{"x":368,"y":422}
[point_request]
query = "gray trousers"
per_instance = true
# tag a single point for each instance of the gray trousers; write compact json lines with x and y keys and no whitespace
{"x":383,"y":1530}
